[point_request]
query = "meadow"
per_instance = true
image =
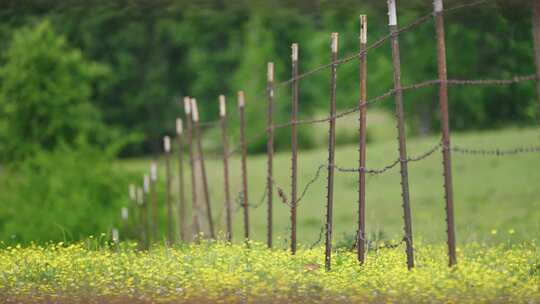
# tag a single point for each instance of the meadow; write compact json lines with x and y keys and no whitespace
{"x":496,"y":198}
{"x":217,"y":272}
{"x":497,"y":220}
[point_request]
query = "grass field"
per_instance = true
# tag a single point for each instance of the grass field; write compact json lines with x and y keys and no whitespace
{"x":496,"y":198}
{"x":497,"y":207}
{"x":220,"y":273}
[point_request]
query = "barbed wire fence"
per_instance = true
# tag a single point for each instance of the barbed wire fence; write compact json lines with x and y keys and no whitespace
{"x":444,"y":145}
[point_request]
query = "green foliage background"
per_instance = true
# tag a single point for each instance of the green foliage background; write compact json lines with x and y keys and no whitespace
{"x":157,"y":52}
{"x":82,"y":83}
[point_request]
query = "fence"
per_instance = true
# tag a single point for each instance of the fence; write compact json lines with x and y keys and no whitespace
{"x":293,"y":197}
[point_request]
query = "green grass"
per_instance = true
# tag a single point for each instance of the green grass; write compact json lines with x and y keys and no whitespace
{"x":496,"y":198}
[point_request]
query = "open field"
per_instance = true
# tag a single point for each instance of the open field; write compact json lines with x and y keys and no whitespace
{"x":496,"y":198}
{"x":217,"y":272}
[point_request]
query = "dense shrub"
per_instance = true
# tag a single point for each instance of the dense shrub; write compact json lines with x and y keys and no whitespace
{"x":45,"y":92}
{"x":64,"y":194}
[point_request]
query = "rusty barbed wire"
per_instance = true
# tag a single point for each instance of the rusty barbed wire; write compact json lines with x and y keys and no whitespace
{"x":457,"y":149}
{"x":378,"y":43}
{"x":416,"y":86}
{"x":495,"y":151}
{"x":513,"y":80}
{"x":420,"y":20}
{"x":239,"y":201}
{"x":391,"y":165}
{"x":209,"y":123}
{"x":318,"y":241}
{"x":283,"y":195}
{"x":391,"y":92}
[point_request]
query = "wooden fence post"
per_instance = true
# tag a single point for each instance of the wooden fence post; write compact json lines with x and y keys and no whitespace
{"x":401,"y":133}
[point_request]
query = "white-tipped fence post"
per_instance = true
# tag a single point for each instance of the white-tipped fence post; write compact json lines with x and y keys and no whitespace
{"x":331,"y":154}
{"x":270,"y":151}
{"x":243,"y":144}
{"x":206,"y":190}
{"x":445,"y":127}
{"x":398,"y":96}
{"x":225,"y":142}
{"x":194,"y":198}
{"x":294,"y":143}
{"x":154,"y":201}
{"x":361,"y":237}
{"x":181,"y":189}
{"x":143,"y":215}
{"x":168,"y":185}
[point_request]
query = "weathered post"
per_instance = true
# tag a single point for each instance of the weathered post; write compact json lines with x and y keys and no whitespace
{"x":270,"y":151}
{"x":144,"y":200}
{"x":331,"y":156}
{"x":124,"y":214}
{"x":294,"y":144}
{"x":133,"y":205}
{"x":168,"y":181}
{"x":153,"y":195}
{"x":445,"y":127}
{"x":194,"y":206}
{"x":198,"y":135}
{"x":401,"y":133}
{"x":361,"y":237}
{"x":536,"y":39}
{"x":133,"y":196}
{"x":181,"y":190}
{"x":115,"y":236}
{"x":223,"y":121}
{"x":143,"y":215}
{"x":243,"y":144}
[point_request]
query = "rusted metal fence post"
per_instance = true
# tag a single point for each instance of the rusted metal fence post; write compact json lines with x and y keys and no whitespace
{"x":194,"y":206}
{"x":223,"y":121}
{"x":134,"y":206}
{"x":168,"y":181}
{"x":270,"y":151}
{"x":445,"y":127}
{"x":392,"y":14}
{"x":294,"y":144}
{"x":536,"y":39}
{"x":361,"y":237}
{"x":143,"y":215}
{"x":145,"y":209}
{"x":243,"y":144}
{"x":331,"y":156}
{"x":181,"y":190}
{"x":206,"y":191}
{"x":153,"y":197}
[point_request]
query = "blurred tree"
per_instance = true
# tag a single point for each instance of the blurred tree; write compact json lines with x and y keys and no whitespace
{"x":45,"y":91}
{"x":163,"y":50}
